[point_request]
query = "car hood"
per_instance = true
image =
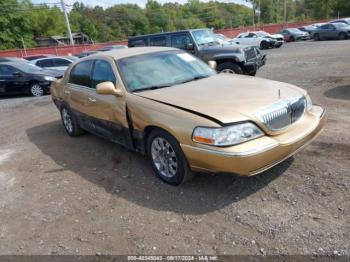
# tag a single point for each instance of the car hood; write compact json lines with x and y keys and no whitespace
{"x":276,"y":36}
{"x":224,"y":97}
{"x":222,"y":48}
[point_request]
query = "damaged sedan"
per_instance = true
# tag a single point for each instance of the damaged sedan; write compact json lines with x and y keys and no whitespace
{"x":186,"y":118}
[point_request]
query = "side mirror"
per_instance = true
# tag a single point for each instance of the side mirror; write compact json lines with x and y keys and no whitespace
{"x":108,"y":88}
{"x":212,"y":64}
{"x":189,"y":46}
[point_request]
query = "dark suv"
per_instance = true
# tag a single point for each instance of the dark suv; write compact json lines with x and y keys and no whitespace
{"x":230,"y":58}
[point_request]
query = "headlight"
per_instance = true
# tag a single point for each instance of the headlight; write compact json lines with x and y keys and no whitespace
{"x":308,"y":103}
{"x":226,"y":136}
{"x":50,"y":78}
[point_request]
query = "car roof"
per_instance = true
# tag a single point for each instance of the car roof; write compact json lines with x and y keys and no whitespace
{"x":165,"y":33}
{"x":127,"y":52}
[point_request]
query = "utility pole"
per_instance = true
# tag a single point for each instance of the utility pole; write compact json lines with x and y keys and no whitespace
{"x":24,"y":47}
{"x":67,"y":22}
{"x":253,"y":14}
{"x":259,"y":12}
{"x":285,"y":11}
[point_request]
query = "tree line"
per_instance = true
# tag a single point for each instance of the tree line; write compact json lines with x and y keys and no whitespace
{"x":22,"y":21}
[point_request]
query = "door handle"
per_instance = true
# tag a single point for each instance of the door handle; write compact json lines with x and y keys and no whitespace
{"x":92,"y":100}
{"x":67,"y":92}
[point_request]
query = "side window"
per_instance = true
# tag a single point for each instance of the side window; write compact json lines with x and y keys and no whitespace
{"x":80,"y":74}
{"x":6,"y":70}
{"x":250,"y":35}
{"x":331,"y":26}
{"x":157,"y":41}
{"x":45,"y":63}
{"x":137,"y":43}
{"x":324,"y":26}
{"x":102,"y":73}
{"x":180,"y":40}
{"x":61,"y":62}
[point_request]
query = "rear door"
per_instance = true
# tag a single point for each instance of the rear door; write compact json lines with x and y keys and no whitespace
{"x":77,"y":89}
{"x":332,"y":32}
{"x":107,"y":113}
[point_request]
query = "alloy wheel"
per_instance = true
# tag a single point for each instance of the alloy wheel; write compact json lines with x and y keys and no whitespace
{"x":36,"y":90}
{"x":227,"y":71}
{"x":67,"y":120}
{"x":164,"y":157}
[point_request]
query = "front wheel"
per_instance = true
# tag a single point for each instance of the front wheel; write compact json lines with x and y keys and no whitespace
{"x":229,"y":68}
{"x":167,"y":158}
{"x":36,"y":90}
{"x":264,"y":45}
{"x":317,"y":37}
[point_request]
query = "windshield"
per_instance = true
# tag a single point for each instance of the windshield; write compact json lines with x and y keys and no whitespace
{"x":205,"y":37}
{"x":161,"y":69}
{"x":28,"y":68}
{"x":262,"y":34}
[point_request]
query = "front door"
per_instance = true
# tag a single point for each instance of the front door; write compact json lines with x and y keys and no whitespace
{"x":107,"y":113}
{"x":12,"y":81}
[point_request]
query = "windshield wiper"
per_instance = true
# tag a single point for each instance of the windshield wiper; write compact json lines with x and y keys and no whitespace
{"x":194,"y":78}
{"x":151,"y":88}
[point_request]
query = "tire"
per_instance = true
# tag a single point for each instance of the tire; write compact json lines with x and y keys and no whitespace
{"x":342,"y":36}
{"x":70,"y":123}
{"x":36,"y":90}
{"x":252,"y":73}
{"x":167,"y":159}
{"x":264,"y":45}
{"x":317,"y":37}
{"x":229,"y":68}
{"x":292,"y":39}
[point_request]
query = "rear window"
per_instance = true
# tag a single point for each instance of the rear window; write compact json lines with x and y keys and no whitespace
{"x":158,"y":41}
{"x":80,"y":74}
{"x":137,"y":43}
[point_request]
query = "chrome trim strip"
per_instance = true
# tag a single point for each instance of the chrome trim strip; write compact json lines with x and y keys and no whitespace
{"x":236,"y":154}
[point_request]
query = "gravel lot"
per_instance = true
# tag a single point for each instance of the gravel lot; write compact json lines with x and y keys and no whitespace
{"x":60,"y":195}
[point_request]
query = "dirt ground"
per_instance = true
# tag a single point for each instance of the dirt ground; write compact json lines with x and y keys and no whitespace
{"x":60,"y":195}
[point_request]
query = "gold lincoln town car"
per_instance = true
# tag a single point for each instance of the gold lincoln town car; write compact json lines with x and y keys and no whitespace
{"x":182,"y":115}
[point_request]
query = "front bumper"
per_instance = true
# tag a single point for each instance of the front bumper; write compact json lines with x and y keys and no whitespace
{"x":252,"y":66}
{"x":258,"y":155}
{"x":303,"y":37}
{"x":45,"y":85}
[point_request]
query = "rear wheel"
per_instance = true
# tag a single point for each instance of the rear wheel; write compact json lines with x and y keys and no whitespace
{"x":167,"y":158}
{"x":229,"y":68}
{"x":342,"y":36}
{"x":36,"y":90}
{"x":70,"y":123}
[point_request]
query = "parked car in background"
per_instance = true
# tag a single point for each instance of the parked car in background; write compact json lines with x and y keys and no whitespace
{"x":342,"y":20}
{"x":181,"y":114}
{"x":222,"y":39}
{"x":111,"y":47}
{"x":279,"y":40}
{"x":252,"y":38}
{"x":202,"y":43}
{"x":34,"y":57}
{"x":87,"y":53}
{"x":307,"y":28}
{"x":294,"y":34}
{"x":60,"y":63}
{"x":330,"y":31}
{"x":21,"y":77}
{"x":12,"y":59}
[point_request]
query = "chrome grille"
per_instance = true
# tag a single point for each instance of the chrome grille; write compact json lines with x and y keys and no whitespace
{"x":282,"y":114}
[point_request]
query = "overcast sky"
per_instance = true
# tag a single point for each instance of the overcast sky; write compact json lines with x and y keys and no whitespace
{"x":107,"y":3}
